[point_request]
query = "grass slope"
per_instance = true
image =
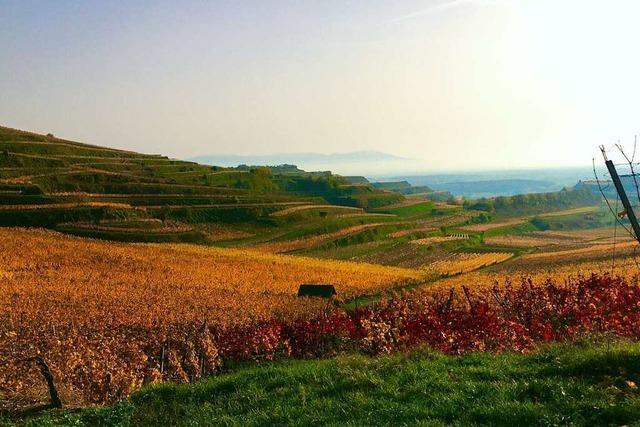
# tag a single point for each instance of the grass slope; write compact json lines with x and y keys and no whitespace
{"x":579,"y":384}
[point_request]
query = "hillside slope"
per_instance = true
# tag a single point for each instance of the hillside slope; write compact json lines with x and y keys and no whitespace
{"x":123,"y":195}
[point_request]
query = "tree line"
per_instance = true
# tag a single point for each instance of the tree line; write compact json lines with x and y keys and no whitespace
{"x":534,"y":202}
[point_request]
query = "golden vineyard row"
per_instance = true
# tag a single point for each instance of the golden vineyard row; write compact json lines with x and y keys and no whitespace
{"x":96,"y":311}
{"x":465,"y":262}
{"x":70,"y":278}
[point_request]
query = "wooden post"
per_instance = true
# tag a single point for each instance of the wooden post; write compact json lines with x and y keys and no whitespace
{"x":623,"y":198}
{"x":48,"y":376}
{"x":162,"y":361}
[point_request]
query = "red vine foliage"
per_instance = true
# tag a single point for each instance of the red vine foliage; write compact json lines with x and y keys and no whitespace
{"x":107,"y":364}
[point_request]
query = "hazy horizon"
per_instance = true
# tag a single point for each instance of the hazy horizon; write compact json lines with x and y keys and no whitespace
{"x":454,"y":84}
{"x":387,"y":166}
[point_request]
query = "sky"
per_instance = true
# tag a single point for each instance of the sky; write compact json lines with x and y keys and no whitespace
{"x":453,"y":84}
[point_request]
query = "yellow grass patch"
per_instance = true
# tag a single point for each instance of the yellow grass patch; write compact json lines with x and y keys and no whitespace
{"x":465,"y":262}
{"x":491,"y":225}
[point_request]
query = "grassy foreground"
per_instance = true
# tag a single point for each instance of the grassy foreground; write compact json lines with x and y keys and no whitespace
{"x":578,"y":384}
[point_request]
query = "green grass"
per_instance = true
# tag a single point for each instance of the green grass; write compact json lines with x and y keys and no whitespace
{"x":418,"y":209}
{"x":578,"y":221}
{"x":580,"y":384}
{"x":142,"y":235}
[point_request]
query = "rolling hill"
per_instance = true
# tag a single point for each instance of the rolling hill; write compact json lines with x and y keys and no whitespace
{"x":123,"y":195}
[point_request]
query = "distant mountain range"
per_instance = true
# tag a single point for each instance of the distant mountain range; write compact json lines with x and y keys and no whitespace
{"x":499,"y":183}
{"x":304,"y":160}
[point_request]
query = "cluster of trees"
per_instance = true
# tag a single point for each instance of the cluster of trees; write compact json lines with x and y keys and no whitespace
{"x":258,"y":179}
{"x":534,"y":202}
{"x":336,"y":190}
{"x":332,"y":188}
{"x":267,"y":178}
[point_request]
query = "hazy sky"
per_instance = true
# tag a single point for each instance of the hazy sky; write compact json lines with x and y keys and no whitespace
{"x":459,"y":83}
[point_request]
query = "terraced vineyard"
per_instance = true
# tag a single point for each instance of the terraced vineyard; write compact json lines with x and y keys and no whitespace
{"x":73,"y":187}
{"x":111,"y":194}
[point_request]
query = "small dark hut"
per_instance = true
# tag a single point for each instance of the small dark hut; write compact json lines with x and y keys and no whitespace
{"x":316,"y":290}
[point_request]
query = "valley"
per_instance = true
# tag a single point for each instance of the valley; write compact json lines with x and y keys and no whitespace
{"x":121,"y":270}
